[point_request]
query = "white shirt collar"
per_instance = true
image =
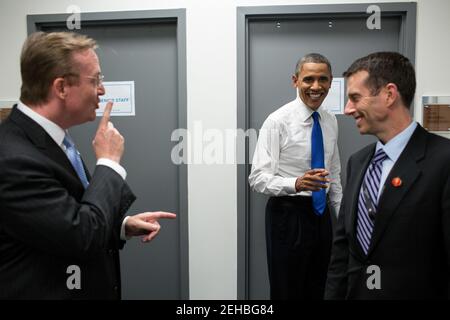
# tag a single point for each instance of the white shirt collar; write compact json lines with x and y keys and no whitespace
{"x":395,"y":146}
{"x":53,"y":130}
{"x":305,"y":111}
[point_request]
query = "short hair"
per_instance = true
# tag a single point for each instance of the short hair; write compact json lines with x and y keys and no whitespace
{"x":384,"y":68}
{"x":312,"y":58}
{"x":46,"y":56}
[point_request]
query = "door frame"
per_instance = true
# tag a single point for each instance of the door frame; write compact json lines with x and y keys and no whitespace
{"x":36,"y":22}
{"x":245,"y":15}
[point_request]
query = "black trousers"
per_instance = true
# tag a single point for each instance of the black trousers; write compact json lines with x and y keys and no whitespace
{"x":298,"y":248}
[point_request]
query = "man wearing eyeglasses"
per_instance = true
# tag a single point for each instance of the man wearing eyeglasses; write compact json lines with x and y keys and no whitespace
{"x":55,"y":219}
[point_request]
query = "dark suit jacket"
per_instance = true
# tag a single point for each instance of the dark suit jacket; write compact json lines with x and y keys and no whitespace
{"x":411,"y":237}
{"x":48,"y":222}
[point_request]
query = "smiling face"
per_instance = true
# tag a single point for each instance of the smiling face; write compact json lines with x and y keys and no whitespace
{"x":370,"y":111}
{"x":313,"y":83}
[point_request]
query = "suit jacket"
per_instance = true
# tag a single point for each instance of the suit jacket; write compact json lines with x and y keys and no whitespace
{"x":49,"y":222}
{"x":411,"y":236}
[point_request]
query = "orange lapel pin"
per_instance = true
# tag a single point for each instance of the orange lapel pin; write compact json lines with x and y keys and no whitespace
{"x":396,"y":182}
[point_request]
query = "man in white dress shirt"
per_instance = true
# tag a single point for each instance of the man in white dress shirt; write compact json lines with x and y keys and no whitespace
{"x":298,"y":228}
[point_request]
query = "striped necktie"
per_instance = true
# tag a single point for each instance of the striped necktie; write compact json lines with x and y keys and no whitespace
{"x":75,"y":159}
{"x":317,"y":161}
{"x":367,"y":201}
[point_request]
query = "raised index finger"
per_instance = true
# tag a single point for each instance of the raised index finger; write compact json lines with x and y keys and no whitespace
{"x":106,"y":115}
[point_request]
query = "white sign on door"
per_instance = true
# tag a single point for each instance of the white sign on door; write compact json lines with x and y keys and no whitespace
{"x":122,"y":94}
{"x":334,"y":102}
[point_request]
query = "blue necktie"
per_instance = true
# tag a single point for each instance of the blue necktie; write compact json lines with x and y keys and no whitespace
{"x":75,"y":159}
{"x":317,"y":162}
{"x":367,"y":201}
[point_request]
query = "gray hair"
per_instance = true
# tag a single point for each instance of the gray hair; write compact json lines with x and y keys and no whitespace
{"x":312,"y":58}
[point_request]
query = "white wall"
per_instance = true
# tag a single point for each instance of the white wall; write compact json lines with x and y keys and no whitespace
{"x":432,"y":51}
{"x":211,"y":89}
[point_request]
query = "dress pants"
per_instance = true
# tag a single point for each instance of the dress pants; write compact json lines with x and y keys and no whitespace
{"x":298,"y":248}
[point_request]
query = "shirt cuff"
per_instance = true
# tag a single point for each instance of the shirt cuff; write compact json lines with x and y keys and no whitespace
{"x":289,"y":186}
{"x":113,"y":165}
{"x":122,"y":230}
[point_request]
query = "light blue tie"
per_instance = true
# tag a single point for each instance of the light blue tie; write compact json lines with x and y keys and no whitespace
{"x":367,"y":201}
{"x":317,"y":162}
{"x":75,"y":159}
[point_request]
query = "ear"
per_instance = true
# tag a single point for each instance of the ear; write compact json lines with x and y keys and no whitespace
{"x":59,"y":87}
{"x":294,"y":81}
{"x":392,"y":93}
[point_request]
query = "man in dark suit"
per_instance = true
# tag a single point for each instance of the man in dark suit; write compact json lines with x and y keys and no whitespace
{"x":393,"y":235}
{"x":60,"y":229}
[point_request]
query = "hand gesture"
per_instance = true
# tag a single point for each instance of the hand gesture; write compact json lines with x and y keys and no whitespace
{"x":146,"y":224}
{"x":312,"y":180}
{"x":108,"y":142}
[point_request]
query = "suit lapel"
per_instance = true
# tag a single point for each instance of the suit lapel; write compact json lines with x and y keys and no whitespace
{"x":362,"y":162}
{"x":88,"y":174}
{"x":42,"y":140}
{"x":407,"y":170}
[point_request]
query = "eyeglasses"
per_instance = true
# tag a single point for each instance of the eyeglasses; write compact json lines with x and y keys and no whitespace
{"x":98,"y":79}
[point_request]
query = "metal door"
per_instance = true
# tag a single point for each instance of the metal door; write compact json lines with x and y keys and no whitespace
{"x":274,"y":44}
{"x":146,"y":52}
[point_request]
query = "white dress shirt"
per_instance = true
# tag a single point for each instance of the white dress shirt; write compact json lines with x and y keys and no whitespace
{"x":393,"y":149}
{"x":283,"y":152}
{"x":58,"y":134}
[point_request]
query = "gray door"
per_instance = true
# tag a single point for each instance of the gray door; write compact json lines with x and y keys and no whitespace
{"x":274,"y":46}
{"x":145,"y":52}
